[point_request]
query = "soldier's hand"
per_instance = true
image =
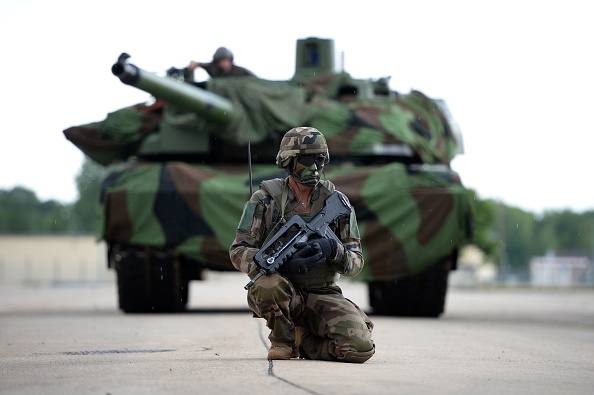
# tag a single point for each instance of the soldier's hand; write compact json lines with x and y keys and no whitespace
{"x":304,"y":259}
{"x":194,"y":65}
{"x":320,"y":250}
{"x":327,"y":247}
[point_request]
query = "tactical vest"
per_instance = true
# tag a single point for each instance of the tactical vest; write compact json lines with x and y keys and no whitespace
{"x":323,"y":277}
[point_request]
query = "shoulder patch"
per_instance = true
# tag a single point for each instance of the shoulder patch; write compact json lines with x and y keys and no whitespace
{"x":247,"y":218}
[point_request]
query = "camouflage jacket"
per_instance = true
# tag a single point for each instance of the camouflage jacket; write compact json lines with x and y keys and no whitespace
{"x":236,"y":71}
{"x":261,"y":218}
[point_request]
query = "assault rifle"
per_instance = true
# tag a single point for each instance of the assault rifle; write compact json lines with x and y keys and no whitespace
{"x":274,"y":253}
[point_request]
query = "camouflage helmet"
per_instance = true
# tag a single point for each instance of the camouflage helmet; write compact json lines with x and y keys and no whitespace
{"x":302,"y":140}
{"x":222,"y":53}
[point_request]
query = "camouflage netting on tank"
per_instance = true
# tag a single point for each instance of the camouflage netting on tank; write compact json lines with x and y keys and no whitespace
{"x":352,"y":128}
{"x":260,"y":107}
{"x":407,"y":220}
{"x":117,"y":136}
{"x":380,"y":126}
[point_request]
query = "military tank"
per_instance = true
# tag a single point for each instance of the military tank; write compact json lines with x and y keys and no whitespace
{"x":180,"y":168}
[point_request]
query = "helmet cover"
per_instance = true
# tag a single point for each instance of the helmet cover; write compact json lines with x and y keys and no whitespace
{"x":302,"y":140}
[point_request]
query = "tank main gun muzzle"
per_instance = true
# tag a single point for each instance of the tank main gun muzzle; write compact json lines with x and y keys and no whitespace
{"x":126,"y":72}
{"x":177,"y":93}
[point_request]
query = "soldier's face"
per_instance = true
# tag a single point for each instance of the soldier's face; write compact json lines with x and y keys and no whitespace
{"x":225,"y":65}
{"x":307,"y":169}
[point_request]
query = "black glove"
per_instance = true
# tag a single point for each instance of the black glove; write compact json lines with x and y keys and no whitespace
{"x":304,"y":259}
{"x":309,"y":255}
{"x":328,"y":247}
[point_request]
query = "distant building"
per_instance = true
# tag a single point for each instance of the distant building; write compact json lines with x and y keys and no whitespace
{"x":560,"y":271}
{"x":42,"y":260}
{"x":474,"y":269}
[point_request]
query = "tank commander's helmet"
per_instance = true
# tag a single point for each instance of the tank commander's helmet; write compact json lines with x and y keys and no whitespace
{"x":222,"y":53}
{"x":302,"y":140}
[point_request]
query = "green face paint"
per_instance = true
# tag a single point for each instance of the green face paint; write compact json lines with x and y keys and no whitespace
{"x":307,"y":175}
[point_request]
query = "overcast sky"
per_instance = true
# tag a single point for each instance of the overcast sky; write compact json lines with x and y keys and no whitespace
{"x":518,"y":76}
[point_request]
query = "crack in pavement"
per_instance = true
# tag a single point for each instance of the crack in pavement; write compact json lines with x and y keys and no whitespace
{"x":271,"y":365}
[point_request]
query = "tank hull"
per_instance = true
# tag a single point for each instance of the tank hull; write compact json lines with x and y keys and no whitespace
{"x":407,"y":219}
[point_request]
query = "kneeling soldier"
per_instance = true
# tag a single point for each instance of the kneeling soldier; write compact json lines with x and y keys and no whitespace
{"x":303,"y":306}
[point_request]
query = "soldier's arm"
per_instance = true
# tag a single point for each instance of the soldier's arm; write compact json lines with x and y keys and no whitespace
{"x":211,"y":69}
{"x":250,"y":233}
{"x":238,"y":71}
{"x":349,"y":257}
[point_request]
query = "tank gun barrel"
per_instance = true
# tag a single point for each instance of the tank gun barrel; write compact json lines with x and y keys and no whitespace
{"x":180,"y":94}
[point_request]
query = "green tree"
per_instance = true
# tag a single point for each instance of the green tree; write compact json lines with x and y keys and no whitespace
{"x":53,"y":217}
{"x":21,"y":212}
{"x":523,"y":235}
{"x":566,"y":231}
{"x":519,"y":238}
{"x":483,"y":223}
{"x":16,"y":210}
{"x":86,"y":211}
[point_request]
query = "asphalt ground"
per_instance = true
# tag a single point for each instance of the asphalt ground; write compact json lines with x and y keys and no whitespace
{"x":72,"y":339}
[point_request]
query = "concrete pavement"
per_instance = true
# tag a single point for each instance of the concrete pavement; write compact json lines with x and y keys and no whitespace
{"x":73,"y":340}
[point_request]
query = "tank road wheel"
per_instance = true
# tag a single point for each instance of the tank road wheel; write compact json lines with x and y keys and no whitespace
{"x":149,"y":281}
{"x":420,"y":295}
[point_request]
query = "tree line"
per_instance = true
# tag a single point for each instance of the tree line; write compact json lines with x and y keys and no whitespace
{"x":511,"y":236}
{"x":22,"y":213}
{"x":508,"y":235}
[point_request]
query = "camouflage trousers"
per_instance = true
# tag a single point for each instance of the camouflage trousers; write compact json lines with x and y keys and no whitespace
{"x":334,"y":328}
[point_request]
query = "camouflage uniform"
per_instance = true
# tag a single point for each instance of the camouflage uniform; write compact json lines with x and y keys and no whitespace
{"x":214,"y":71}
{"x":332,"y":327}
{"x":236,"y":71}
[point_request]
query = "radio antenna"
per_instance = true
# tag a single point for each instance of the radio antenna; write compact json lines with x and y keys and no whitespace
{"x":250,"y":166}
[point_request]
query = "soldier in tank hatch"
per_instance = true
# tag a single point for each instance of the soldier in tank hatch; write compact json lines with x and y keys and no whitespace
{"x":221,"y":66}
{"x":303,"y":306}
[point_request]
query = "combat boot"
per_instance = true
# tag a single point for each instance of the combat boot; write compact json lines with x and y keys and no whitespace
{"x":280,"y":351}
{"x":299,"y":332}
